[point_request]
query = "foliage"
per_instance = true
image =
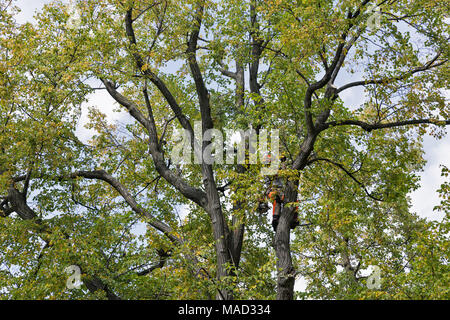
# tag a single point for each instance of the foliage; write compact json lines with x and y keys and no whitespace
{"x":142,"y":227}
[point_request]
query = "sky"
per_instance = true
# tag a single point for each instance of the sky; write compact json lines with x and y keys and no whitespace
{"x":436,"y":151}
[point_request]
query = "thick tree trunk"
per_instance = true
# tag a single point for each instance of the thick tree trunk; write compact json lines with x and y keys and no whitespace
{"x":285,"y":277}
{"x":228,"y":244}
{"x":221,"y":236}
{"x":220,"y":230}
{"x":286,"y":271}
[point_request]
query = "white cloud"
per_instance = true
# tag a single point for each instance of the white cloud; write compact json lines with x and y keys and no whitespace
{"x":28,"y":9}
{"x":106,"y":104}
{"x":437,"y":152}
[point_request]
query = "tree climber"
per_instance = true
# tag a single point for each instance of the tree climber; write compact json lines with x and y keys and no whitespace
{"x":274,"y":193}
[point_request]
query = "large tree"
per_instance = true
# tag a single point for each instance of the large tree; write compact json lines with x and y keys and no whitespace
{"x":231,"y":65}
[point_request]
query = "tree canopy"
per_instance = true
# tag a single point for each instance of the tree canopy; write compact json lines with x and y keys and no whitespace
{"x":139,"y":226}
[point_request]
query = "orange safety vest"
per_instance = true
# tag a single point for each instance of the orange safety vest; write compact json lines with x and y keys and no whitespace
{"x":272,"y":196}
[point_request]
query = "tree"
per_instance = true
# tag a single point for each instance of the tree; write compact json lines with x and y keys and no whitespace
{"x":232,"y":65}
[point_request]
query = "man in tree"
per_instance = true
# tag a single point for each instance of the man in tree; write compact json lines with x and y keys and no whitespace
{"x":274,"y":192}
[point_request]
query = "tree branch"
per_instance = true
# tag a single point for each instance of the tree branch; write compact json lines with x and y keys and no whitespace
{"x":190,"y":192}
{"x":376,"y":126}
{"x":340,"y":166}
{"x":126,"y":195}
{"x":161,"y":86}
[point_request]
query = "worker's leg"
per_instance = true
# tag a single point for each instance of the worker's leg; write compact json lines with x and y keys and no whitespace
{"x":276,"y":214}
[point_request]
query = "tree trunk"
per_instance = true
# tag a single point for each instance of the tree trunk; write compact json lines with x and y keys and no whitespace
{"x":286,"y":271}
{"x":221,"y":237}
{"x":228,"y":246}
{"x":285,"y":277}
{"x":220,"y":231}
